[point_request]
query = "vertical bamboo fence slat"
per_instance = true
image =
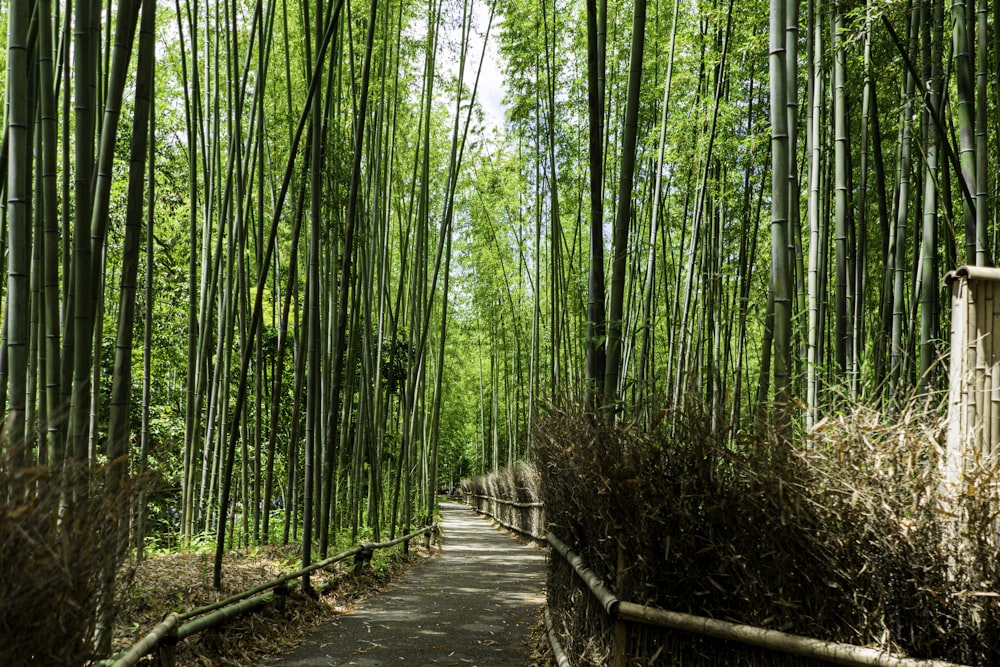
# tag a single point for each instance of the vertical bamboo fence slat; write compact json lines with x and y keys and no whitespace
{"x":994,"y":396}
{"x":981,"y":343}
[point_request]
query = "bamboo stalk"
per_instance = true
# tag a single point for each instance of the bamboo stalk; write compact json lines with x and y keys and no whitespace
{"x":596,"y":586}
{"x":620,"y":631}
{"x":968,"y":378}
{"x":994,"y":369}
{"x":149,"y":642}
{"x":980,"y":340}
{"x":562,"y":660}
{"x":955,"y":383}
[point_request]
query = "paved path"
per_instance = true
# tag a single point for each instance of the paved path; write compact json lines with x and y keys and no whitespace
{"x":471,"y":605}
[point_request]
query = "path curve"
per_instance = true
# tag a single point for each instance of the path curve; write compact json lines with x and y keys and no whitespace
{"x":472,"y":604}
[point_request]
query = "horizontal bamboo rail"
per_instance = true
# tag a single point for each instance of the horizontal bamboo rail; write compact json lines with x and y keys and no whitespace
{"x":589,"y":577}
{"x":562,"y":660}
{"x":167,"y":633}
{"x":510,"y":503}
{"x":219,"y":617}
{"x":772,"y":640}
{"x":274,"y":583}
{"x":149,"y":643}
{"x":504,"y":501}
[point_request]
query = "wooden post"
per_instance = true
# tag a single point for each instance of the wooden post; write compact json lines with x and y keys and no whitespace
{"x":621,"y":630}
{"x":167,"y":648}
{"x":363,"y":558}
{"x":280,"y":596}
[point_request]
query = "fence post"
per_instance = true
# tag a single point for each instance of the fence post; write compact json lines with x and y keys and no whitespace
{"x":973,"y":428}
{"x":363,"y":557}
{"x":280,"y":596}
{"x":620,"y":630}
{"x":167,"y":648}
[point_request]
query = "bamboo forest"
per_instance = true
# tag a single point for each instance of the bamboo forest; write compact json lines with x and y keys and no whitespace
{"x":281,"y":271}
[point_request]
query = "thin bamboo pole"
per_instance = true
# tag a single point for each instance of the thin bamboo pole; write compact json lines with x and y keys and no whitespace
{"x":977,"y":345}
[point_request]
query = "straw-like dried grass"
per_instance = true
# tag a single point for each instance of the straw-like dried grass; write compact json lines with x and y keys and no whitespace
{"x":838,"y":537}
{"x":59,"y":551}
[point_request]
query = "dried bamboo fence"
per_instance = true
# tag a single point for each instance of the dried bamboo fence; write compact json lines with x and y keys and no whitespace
{"x":520,"y":517}
{"x":512,"y":497}
{"x":163,"y":638}
{"x":583,"y":603}
{"x":970,"y":463}
{"x":621,"y":615}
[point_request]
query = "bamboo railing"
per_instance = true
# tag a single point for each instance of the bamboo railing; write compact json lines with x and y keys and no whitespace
{"x":164,"y":637}
{"x":621,"y":612}
{"x":518,"y":517}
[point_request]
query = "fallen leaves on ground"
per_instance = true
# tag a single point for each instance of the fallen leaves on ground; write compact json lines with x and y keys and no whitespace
{"x":540,"y":652}
{"x":180,"y":582}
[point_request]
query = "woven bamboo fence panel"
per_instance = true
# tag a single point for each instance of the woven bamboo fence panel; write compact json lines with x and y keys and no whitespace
{"x":969,"y":465}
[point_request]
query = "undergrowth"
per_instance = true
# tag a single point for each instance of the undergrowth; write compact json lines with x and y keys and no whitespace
{"x":60,"y":548}
{"x":839,"y":536}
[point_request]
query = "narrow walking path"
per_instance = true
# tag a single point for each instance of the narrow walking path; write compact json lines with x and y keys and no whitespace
{"x":472,"y":604}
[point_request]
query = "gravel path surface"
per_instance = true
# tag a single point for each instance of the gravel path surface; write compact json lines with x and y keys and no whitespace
{"x":471,"y":605}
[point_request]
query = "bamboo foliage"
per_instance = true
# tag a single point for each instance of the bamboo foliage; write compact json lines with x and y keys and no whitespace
{"x":76,"y":292}
{"x":352,"y":290}
{"x":860,"y":282}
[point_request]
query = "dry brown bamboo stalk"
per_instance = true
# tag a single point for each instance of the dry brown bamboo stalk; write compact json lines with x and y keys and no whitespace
{"x":968,"y":367}
{"x":984,"y":318}
{"x":557,"y":650}
{"x":993,"y":356}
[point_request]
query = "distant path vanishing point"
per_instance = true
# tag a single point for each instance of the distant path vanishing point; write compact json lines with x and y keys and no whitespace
{"x":471,"y":605}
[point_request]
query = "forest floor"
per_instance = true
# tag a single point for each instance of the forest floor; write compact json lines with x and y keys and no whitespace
{"x":183,"y":581}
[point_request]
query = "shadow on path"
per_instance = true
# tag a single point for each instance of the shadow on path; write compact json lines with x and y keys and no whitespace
{"x":472,"y":604}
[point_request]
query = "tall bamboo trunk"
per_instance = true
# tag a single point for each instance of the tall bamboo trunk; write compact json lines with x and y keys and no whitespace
{"x":780,"y":270}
